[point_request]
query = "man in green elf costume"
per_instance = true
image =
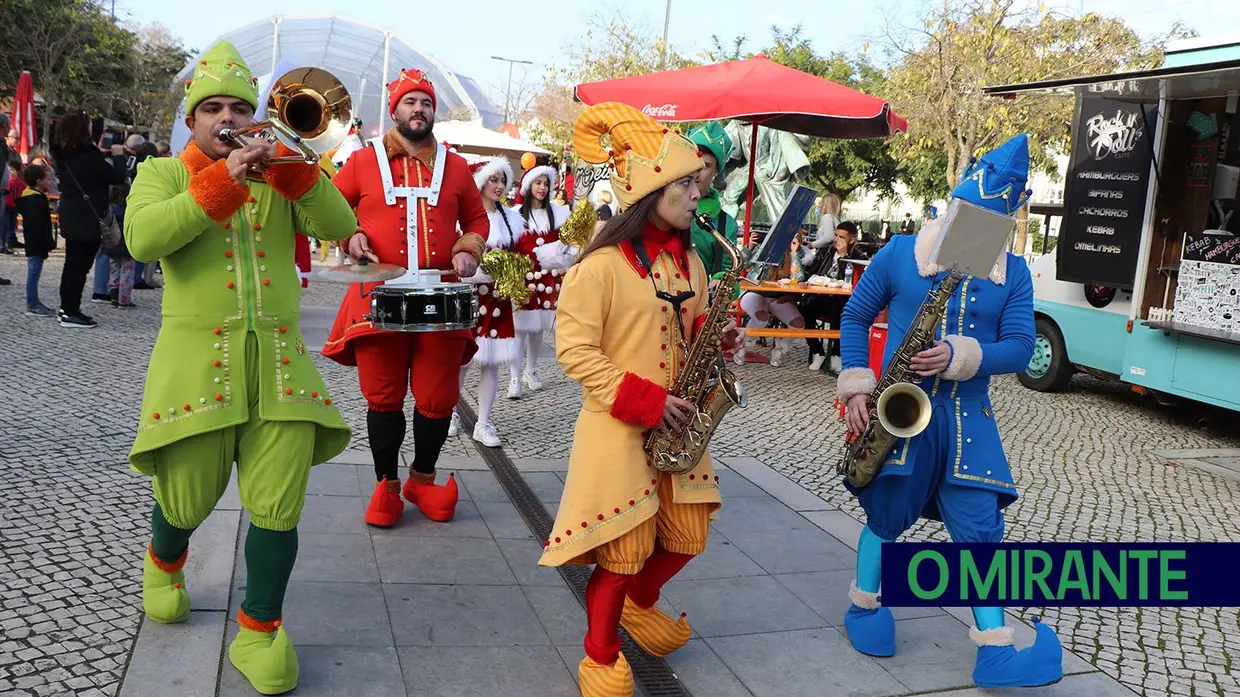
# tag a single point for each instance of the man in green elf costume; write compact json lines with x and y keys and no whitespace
{"x":230,"y":379}
{"x":713,"y":146}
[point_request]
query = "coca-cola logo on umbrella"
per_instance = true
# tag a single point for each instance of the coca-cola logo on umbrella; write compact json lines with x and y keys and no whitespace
{"x":664,"y":111}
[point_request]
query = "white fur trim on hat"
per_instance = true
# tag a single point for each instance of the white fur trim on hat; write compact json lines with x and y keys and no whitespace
{"x":553,"y":177}
{"x":966,"y":358}
{"x":863,"y":599}
{"x":491,"y":166}
{"x":1000,"y":636}
{"x":855,"y":381}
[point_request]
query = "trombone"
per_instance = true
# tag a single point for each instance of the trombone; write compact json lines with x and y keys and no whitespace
{"x":309,"y":111}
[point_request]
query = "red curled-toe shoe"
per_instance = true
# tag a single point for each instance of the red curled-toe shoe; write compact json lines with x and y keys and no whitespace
{"x":385,"y":506}
{"x":437,"y":502}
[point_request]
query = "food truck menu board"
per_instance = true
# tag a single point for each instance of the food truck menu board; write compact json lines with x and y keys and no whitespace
{"x":1107,"y":182}
{"x":1208,"y":293}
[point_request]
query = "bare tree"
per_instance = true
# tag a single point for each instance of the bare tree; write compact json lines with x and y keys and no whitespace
{"x":518,"y":94}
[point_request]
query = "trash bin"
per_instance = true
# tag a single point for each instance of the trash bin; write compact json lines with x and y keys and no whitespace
{"x":878,"y":343}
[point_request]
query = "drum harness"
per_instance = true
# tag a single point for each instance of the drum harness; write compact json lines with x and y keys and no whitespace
{"x":412,"y":196}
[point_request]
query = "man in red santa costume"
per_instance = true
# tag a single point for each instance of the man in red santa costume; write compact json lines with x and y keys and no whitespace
{"x":541,"y":243}
{"x":380,"y":181}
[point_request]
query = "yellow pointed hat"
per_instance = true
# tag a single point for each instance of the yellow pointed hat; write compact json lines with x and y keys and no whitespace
{"x":644,"y":155}
{"x":221,"y":72}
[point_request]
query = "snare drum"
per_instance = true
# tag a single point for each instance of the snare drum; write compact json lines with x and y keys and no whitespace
{"x":432,"y":307}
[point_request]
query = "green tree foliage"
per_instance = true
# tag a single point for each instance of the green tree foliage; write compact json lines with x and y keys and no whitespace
{"x":941,"y":67}
{"x":612,"y":45}
{"x":939,"y":74}
{"x":81,"y":58}
{"x":154,"y":95}
{"x":840,"y":166}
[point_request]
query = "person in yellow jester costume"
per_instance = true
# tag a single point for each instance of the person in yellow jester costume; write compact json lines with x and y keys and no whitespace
{"x":230,"y":379}
{"x":627,"y":314}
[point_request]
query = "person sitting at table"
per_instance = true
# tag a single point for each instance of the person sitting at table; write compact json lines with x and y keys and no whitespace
{"x":832,"y":262}
{"x":761,"y":306}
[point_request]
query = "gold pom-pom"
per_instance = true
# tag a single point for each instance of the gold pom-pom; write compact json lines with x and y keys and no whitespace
{"x":508,"y":269}
{"x":578,"y":230}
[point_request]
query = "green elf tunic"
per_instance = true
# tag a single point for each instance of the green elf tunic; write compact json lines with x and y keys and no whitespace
{"x":711,"y":254}
{"x":711,"y":138}
{"x":227,"y":253}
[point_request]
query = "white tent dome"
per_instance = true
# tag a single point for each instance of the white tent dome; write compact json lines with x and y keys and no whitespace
{"x":364,"y":57}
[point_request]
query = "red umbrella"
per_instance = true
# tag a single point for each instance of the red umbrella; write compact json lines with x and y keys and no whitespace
{"x":23,"y":115}
{"x":755,"y":90}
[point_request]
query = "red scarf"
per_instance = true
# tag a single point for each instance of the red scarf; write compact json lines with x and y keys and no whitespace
{"x":656,"y":241}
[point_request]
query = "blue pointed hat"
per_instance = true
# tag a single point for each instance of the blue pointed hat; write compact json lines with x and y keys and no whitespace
{"x":997,"y":179}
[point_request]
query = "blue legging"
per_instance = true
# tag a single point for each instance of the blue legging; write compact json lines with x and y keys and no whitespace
{"x":869,"y":574}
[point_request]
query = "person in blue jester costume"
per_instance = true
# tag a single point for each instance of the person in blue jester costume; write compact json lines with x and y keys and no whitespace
{"x":954,"y":471}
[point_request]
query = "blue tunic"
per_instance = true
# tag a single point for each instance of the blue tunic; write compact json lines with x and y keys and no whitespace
{"x":990,"y":326}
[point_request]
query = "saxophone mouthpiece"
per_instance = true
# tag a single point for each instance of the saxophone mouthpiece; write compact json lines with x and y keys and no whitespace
{"x":704,"y":221}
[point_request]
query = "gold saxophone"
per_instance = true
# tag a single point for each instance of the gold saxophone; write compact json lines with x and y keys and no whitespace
{"x":898,"y":408}
{"x":705,"y":382}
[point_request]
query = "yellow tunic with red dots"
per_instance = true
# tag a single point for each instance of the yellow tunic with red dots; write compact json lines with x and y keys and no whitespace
{"x":227,"y":253}
{"x":623,"y":345}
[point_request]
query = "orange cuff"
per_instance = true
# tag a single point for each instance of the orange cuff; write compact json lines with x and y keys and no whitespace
{"x":167,"y":567}
{"x":254,"y":625}
{"x":216,"y":192}
{"x":470,"y":242}
{"x":291,"y":180}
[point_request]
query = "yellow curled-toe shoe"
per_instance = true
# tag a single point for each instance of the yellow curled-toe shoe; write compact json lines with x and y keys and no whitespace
{"x":653,"y":630}
{"x":265,"y":656}
{"x":598,"y":680}
{"x":164,"y":597}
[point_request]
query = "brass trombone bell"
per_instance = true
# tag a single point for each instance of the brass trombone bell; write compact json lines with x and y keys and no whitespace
{"x":903,"y":409}
{"x":309,"y":111}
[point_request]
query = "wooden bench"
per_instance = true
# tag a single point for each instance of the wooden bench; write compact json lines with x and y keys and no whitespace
{"x":784,"y":333}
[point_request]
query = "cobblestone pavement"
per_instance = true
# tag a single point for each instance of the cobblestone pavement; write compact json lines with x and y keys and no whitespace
{"x":73,"y":519}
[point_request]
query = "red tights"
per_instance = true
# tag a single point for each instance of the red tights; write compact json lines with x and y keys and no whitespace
{"x":605,"y":600}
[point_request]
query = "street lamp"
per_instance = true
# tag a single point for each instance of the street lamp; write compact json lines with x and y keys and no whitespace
{"x":667,"y":20}
{"x":508,"y":91}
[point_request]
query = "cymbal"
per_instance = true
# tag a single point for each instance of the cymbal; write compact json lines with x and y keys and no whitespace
{"x":361,"y":273}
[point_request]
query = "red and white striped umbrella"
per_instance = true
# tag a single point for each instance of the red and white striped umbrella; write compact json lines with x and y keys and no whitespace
{"x":23,"y":115}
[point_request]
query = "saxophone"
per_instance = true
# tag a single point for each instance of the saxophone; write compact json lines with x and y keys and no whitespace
{"x":898,"y":408}
{"x":705,"y":380}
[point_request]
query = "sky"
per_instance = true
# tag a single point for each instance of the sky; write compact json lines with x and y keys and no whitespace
{"x":464,"y":35}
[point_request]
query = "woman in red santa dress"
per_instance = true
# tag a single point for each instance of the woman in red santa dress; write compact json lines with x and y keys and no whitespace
{"x":496,"y":337}
{"x":551,"y":257}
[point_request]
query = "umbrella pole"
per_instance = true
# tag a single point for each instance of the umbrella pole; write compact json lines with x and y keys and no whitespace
{"x":753,"y":161}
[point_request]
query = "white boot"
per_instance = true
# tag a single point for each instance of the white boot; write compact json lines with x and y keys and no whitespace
{"x":514,"y":385}
{"x":815,"y":363}
{"x":836,"y":364}
{"x":454,"y":428}
{"x":486,"y":434}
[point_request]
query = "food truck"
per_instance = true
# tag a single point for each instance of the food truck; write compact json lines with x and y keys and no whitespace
{"x":1144,"y":284}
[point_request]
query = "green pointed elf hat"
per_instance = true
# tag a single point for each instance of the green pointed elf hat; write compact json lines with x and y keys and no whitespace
{"x":221,"y":72}
{"x":712,"y":138}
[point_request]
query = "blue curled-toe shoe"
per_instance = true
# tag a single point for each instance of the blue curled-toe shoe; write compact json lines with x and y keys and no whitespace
{"x":1000,"y":664}
{"x":871,"y":627}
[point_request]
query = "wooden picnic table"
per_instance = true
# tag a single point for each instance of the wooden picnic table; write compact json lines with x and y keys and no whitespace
{"x":802,"y":288}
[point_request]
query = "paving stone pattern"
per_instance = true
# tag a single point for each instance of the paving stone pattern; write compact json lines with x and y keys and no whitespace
{"x":73,"y":518}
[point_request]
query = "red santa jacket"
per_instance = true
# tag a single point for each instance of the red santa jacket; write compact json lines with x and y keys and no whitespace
{"x":460,"y":205}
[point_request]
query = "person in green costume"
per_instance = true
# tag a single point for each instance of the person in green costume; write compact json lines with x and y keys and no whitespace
{"x":230,"y":379}
{"x":713,"y":146}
